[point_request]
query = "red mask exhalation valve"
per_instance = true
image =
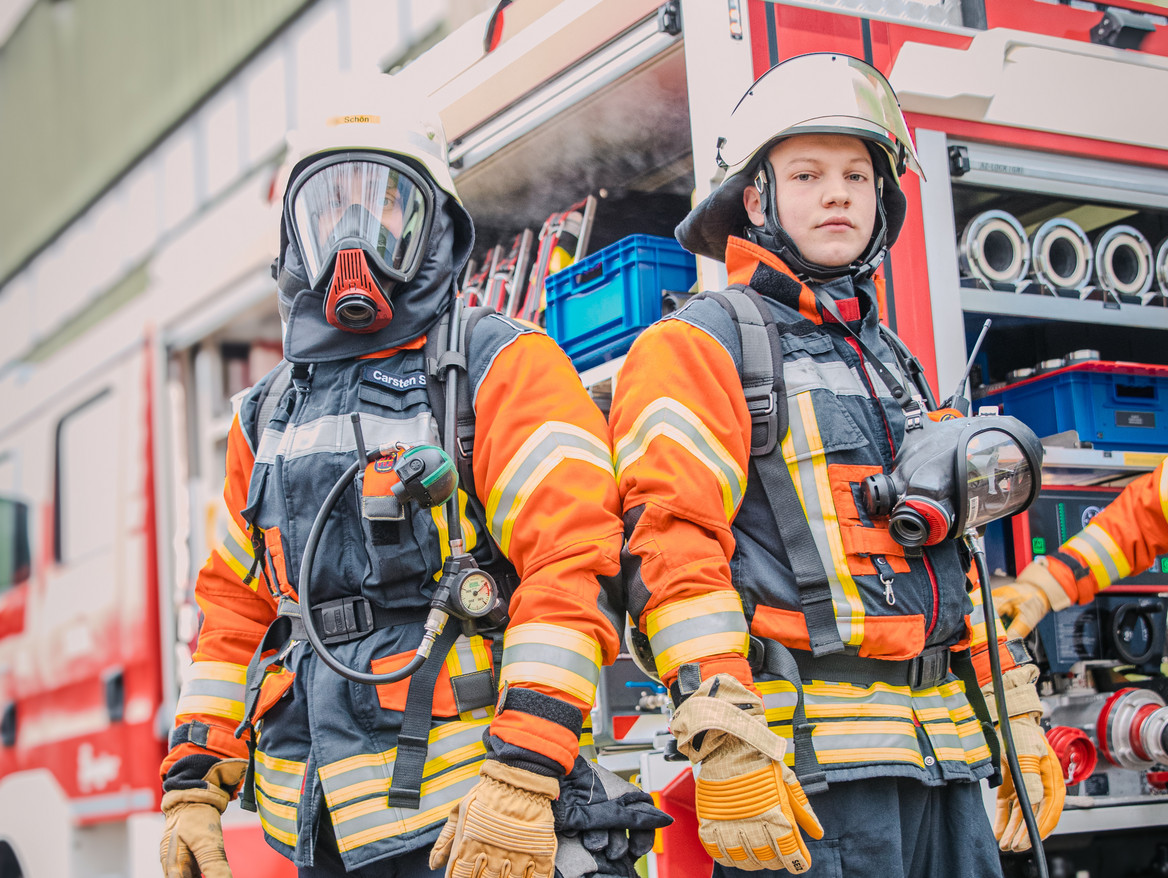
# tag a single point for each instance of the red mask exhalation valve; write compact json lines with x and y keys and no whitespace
{"x":355,"y":302}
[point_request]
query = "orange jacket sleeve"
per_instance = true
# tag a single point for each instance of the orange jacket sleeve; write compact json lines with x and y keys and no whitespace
{"x":543,"y":471}
{"x":237,"y":609}
{"x":1121,"y":540}
{"x":681,"y":444}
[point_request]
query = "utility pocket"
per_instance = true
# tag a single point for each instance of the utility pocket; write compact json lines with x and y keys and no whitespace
{"x":274,"y":687}
{"x":465,"y":684}
{"x":401,"y":539}
{"x":819,"y":424}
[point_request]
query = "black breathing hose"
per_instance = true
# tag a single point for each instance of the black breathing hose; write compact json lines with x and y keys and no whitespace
{"x":314,"y":639}
{"x":983,"y":574}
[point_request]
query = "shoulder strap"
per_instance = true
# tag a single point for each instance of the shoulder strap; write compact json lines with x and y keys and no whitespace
{"x":762,"y":383}
{"x":762,"y":367}
{"x":438,"y":355}
{"x":270,"y":396}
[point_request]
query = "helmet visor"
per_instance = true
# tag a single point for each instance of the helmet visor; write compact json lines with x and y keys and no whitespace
{"x":375,"y":203}
{"x":821,"y":93}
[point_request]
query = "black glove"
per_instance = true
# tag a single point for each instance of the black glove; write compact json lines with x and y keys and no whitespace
{"x":604,"y":823}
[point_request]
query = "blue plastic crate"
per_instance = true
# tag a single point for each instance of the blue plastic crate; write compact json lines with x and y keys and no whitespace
{"x":1114,"y":406}
{"x":596,"y":307}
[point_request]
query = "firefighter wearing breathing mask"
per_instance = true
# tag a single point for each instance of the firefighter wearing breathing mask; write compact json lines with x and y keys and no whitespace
{"x":360,"y":779}
{"x":827,"y":677}
{"x":1123,"y":539}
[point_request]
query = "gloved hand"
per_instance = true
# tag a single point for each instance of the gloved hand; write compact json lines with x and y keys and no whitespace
{"x":1028,"y":598}
{"x":1041,"y":773}
{"x":192,"y":839}
{"x":502,"y":827}
{"x":749,"y":802}
{"x":604,"y":824}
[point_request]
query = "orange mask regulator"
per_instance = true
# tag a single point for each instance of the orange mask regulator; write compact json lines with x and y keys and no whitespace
{"x":361,"y":222}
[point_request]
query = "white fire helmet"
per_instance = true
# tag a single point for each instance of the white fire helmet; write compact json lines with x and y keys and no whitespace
{"x":820,"y":93}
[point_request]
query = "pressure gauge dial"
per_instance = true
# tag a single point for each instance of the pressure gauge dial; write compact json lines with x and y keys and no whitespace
{"x":474,"y":593}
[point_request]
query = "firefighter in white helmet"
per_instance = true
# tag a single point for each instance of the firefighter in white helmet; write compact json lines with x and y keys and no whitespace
{"x":827,"y":689}
{"x":353,"y":778}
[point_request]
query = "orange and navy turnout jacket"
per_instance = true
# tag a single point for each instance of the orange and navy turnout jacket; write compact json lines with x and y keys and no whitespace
{"x":1123,"y":539}
{"x":710,"y":564}
{"x":543,"y":476}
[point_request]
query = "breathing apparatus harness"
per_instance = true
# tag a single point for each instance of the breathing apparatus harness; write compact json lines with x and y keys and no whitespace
{"x":933,"y":448}
{"x":426,"y":475}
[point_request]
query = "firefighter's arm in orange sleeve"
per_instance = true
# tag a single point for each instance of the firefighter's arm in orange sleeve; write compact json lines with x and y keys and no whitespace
{"x":543,"y":469}
{"x":1121,"y":540}
{"x":237,"y":608}
{"x":681,"y":444}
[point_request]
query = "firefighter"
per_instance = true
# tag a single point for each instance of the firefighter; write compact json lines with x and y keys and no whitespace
{"x":373,"y":237}
{"x":1123,"y":539}
{"x":818,"y":667}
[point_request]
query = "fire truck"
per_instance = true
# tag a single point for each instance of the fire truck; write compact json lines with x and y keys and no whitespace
{"x":575,"y":128}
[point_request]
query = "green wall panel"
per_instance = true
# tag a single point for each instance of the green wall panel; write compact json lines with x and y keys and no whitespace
{"x":87,"y":86}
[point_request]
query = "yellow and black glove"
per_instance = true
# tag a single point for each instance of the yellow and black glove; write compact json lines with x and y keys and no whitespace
{"x":192,"y":839}
{"x":752,"y":811}
{"x":1023,"y":602}
{"x":503,"y":826}
{"x":1041,"y":772}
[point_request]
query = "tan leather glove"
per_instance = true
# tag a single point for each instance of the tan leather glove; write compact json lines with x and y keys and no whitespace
{"x":749,"y":802}
{"x":1028,"y":598}
{"x":192,"y":840}
{"x":1041,"y":772}
{"x":502,"y":827}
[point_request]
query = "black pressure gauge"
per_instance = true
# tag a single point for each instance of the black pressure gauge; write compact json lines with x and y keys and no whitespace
{"x":474,"y":594}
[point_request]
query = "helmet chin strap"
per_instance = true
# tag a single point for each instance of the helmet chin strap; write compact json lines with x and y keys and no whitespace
{"x":773,"y":237}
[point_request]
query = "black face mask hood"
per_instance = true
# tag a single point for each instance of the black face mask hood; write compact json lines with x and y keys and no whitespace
{"x":417,"y":306}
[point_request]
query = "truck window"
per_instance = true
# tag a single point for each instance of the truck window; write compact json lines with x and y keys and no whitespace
{"x":86,"y":488}
{"x":15,"y":557}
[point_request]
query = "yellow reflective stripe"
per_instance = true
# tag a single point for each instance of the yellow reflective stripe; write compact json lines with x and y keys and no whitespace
{"x":819,"y":507}
{"x":544,"y":450}
{"x":690,"y":629}
{"x":470,"y":536}
{"x":537,"y":652}
{"x":373,"y":770}
{"x":1114,"y":552}
{"x":673,"y":420}
{"x":417,"y":820}
{"x":270,"y":812}
{"x":213,"y":688}
{"x":869,"y":754}
{"x":866,"y":727}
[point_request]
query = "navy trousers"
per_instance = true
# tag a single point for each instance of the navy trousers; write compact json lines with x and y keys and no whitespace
{"x":897,"y":828}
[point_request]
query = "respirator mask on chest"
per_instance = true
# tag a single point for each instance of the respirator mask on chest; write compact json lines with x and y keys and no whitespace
{"x":361,"y":222}
{"x":955,"y":474}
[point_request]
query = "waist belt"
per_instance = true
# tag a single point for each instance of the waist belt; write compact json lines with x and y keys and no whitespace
{"x":928,"y":669}
{"x":349,"y":618}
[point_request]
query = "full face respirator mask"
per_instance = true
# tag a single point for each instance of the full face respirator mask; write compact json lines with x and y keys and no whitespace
{"x":953,"y":475}
{"x":361,"y":222}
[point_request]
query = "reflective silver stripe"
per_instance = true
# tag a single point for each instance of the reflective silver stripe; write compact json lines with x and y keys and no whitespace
{"x":506,"y":498}
{"x":334,"y":434}
{"x":366,"y":822}
{"x":279,"y":778}
{"x":1101,"y":556}
{"x":802,"y":374}
{"x":798,"y":443}
{"x":666,"y":417}
{"x":555,"y":656}
{"x":714,"y":623}
{"x":202,"y":688}
{"x":278,"y":820}
{"x":358,"y":776}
